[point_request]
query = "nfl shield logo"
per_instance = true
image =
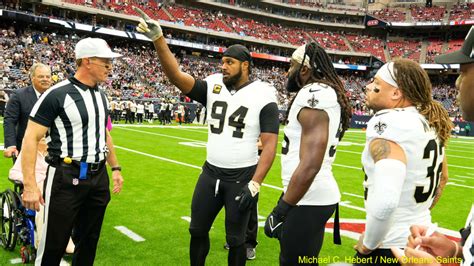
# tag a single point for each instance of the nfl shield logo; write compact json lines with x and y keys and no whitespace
{"x":75,"y":181}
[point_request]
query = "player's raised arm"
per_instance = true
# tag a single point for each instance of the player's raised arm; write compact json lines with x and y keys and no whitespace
{"x":152,"y":29}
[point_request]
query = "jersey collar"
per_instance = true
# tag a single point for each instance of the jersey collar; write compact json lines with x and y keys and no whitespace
{"x":234,"y":90}
{"x":81,"y":85}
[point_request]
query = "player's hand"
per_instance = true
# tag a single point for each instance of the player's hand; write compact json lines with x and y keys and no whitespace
{"x":274,"y":222}
{"x":412,"y":257}
{"x":149,"y":27}
{"x":8,"y":152}
{"x":118,"y":181}
{"x":32,"y":198}
{"x":437,"y":244}
{"x":360,"y":247}
{"x":248,"y":196}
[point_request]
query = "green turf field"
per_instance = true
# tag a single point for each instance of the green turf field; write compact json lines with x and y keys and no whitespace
{"x":161,"y":166}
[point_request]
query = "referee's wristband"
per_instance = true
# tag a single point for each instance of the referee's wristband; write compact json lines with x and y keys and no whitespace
{"x":116,"y":168}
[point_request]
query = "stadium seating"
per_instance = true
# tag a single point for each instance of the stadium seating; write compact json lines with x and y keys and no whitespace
{"x":461,"y":12}
{"x":367,"y":44}
{"x":329,"y":40}
{"x":434,"y":49}
{"x":435,"y":13}
{"x":392,"y":15}
{"x":405,"y":48}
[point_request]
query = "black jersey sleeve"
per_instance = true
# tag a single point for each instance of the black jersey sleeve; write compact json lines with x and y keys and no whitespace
{"x":269,"y":122}
{"x":199,"y":92}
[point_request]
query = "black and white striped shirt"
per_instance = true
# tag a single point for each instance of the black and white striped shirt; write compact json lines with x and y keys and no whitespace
{"x":76,"y":117}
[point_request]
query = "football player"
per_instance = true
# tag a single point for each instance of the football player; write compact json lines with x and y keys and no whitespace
{"x":437,"y":247}
{"x":239,"y":110}
{"x":318,"y":117}
{"x":404,"y":157}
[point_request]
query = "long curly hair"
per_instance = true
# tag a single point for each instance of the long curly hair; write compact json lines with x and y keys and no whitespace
{"x":416,"y":87}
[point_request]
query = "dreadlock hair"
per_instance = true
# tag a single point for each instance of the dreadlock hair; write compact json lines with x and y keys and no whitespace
{"x":322,"y":71}
{"x":416,"y":87}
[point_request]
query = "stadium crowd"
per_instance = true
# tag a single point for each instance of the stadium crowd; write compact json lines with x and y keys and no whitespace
{"x":333,"y":40}
{"x":137,"y":76}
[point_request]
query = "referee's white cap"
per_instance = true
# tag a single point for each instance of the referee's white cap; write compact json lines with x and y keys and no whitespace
{"x":94,"y":47}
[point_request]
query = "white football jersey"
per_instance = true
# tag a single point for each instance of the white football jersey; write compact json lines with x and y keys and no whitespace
{"x":324,"y":189}
{"x":468,"y":250}
{"x":424,"y":153}
{"x":234,"y":121}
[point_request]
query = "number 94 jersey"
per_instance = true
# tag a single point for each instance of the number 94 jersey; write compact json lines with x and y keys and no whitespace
{"x":424,"y":154}
{"x":234,"y":121}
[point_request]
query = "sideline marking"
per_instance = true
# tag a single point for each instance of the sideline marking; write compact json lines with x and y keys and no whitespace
{"x":124,"y":230}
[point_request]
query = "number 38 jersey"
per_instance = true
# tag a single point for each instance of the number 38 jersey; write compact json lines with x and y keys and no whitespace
{"x":324,"y":189}
{"x":236,"y":120}
{"x":424,"y":154}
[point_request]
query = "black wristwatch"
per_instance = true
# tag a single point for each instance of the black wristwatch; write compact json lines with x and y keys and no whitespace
{"x":116,"y":168}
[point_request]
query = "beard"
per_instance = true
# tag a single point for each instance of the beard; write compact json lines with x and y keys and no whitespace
{"x":292,"y":83}
{"x":230,"y":81}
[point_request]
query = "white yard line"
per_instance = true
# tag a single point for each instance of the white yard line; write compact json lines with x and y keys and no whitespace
{"x":449,"y":155}
{"x":451,"y":149}
{"x":466,"y":177}
{"x":186,"y":218}
{"x":158,"y":134}
{"x":194,"y":130}
{"x":16,"y":261}
{"x":198,"y":167}
{"x":342,"y":150}
{"x":459,"y":185}
{"x":19,"y":261}
{"x":134,"y":236}
{"x":159,"y":158}
{"x":342,"y":203}
{"x":271,"y":186}
{"x":459,"y":180}
{"x":157,"y":126}
{"x":348,"y":166}
{"x":347,"y":204}
{"x":353,"y":195}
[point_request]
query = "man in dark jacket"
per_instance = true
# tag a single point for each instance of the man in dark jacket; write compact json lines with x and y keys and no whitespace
{"x":19,"y":107}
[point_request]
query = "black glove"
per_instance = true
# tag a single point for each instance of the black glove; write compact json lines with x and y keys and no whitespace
{"x":245,"y":198}
{"x":274,"y":222}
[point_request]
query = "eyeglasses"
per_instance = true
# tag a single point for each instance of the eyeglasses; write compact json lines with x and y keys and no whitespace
{"x":106,"y":66}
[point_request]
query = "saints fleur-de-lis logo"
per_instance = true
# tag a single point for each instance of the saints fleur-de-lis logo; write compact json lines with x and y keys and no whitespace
{"x":313,"y":102}
{"x":380,"y":127}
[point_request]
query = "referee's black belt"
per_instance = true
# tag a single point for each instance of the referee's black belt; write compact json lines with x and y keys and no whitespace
{"x":58,"y":161}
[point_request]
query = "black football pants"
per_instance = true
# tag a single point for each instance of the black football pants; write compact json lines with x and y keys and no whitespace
{"x":208,"y":199}
{"x":70,"y":202}
{"x":303,"y":233}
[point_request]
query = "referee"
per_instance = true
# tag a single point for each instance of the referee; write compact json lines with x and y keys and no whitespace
{"x":74,"y":114}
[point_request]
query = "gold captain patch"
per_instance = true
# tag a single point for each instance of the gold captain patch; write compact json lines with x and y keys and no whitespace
{"x":217,"y":89}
